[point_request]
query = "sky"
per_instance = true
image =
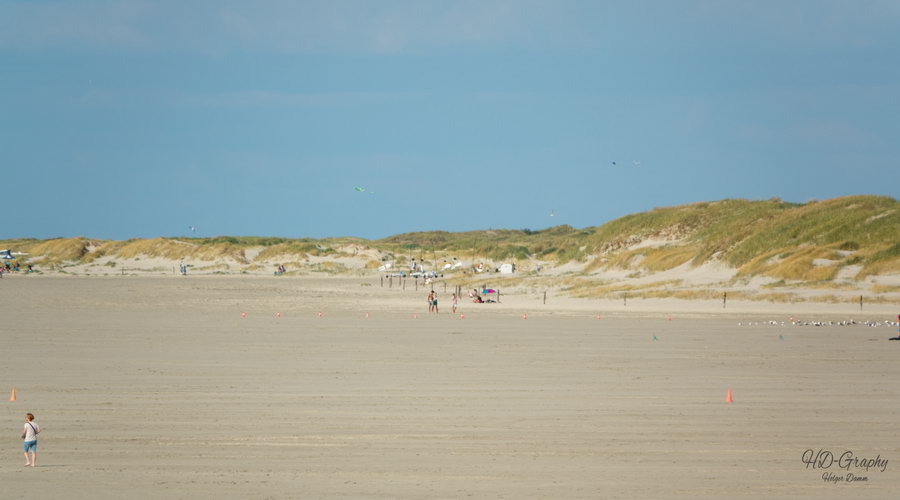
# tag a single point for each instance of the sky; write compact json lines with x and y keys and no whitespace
{"x":138,"y":118}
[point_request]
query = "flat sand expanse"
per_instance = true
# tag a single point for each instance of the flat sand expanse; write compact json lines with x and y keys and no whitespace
{"x":157,"y":388}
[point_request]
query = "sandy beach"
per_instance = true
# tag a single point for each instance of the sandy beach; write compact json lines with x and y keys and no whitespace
{"x":156,"y":387}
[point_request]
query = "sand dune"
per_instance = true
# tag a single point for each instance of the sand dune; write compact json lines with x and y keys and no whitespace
{"x":830,"y":252}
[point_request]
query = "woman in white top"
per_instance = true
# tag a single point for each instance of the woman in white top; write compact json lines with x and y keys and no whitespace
{"x":29,"y":435}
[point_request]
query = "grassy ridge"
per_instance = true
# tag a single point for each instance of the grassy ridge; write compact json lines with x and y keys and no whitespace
{"x":811,"y":241}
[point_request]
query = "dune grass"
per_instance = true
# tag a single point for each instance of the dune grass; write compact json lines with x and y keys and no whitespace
{"x":813,"y":285}
{"x":302,"y":248}
{"x":663,"y":259}
{"x":176,"y":250}
{"x":738,"y":232}
{"x":883,"y":261}
{"x":759,"y":238}
{"x":59,"y":250}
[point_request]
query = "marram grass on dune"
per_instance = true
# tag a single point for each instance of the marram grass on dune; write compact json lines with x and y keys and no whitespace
{"x":810,"y":242}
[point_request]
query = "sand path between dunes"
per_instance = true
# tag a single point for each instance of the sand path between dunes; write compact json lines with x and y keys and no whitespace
{"x":155,"y":387}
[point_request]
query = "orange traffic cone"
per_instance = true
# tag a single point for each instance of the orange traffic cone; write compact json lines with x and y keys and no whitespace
{"x":12,"y":395}
{"x":525,"y":316}
{"x":243,"y":315}
{"x":728,"y":398}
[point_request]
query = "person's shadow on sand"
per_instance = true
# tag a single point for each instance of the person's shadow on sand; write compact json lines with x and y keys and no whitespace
{"x":895,"y":338}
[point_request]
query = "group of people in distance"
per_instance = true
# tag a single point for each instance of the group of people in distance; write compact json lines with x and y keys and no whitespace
{"x":433,"y":302}
{"x":13,"y":267}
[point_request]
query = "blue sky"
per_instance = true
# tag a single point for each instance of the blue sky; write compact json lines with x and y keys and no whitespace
{"x":131,"y":118}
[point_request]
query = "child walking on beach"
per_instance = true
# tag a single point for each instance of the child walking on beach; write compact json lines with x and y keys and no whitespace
{"x":29,"y":435}
{"x":453,"y":303}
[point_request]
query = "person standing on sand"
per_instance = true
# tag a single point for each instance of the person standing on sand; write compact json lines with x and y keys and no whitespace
{"x":453,"y":303}
{"x":32,"y":429}
{"x":434,"y":301}
{"x":430,"y":300}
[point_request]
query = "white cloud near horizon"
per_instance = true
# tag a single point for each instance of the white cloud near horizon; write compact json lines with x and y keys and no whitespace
{"x":254,"y":99}
{"x":392,"y":26}
{"x":268,"y":26}
{"x":235,"y":99}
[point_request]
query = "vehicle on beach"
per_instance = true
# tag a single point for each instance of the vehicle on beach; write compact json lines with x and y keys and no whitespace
{"x":424,"y":274}
{"x":9,"y":254}
{"x":417,"y":274}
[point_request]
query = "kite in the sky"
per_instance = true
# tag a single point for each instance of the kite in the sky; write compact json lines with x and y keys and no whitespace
{"x":614,"y":164}
{"x":193,"y":229}
{"x":552,"y":213}
{"x":636,"y":163}
{"x":359,"y":189}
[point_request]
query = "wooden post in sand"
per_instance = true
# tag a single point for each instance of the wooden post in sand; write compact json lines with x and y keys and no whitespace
{"x":860,"y":302}
{"x":625,"y":299}
{"x":498,"y":295}
{"x":391,"y":282}
{"x":382,"y":282}
{"x":417,"y":284}
{"x":545,"y":297}
{"x":724,"y":298}
{"x":445,"y":288}
{"x":404,"y":283}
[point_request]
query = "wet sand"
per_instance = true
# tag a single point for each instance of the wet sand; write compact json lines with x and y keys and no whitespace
{"x":157,"y":388}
